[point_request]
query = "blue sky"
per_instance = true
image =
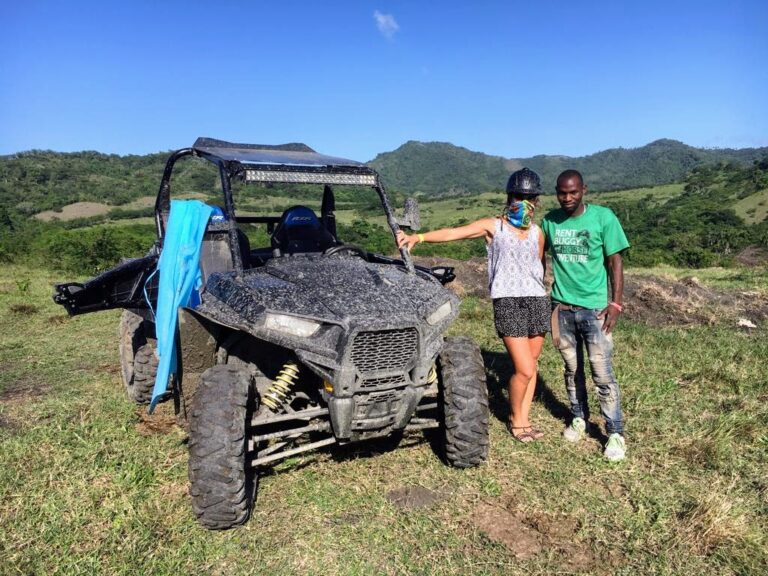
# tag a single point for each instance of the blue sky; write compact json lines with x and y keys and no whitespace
{"x":355,"y":78}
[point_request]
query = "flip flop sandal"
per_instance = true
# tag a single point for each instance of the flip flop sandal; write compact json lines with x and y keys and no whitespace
{"x":522,"y":437}
{"x":536,"y":433}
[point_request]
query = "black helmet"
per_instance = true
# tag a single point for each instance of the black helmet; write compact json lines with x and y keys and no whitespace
{"x":525,"y":182}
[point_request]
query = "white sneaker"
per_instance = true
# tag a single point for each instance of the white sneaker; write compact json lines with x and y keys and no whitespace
{"x":615,"y":448}
{"x":575,"y":431}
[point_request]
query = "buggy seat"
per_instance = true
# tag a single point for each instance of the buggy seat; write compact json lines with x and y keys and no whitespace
{"x":299,"y":230}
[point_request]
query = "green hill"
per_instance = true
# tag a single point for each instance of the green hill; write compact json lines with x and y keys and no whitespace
{"x":34,"y":181}
{"x":438,"y":168}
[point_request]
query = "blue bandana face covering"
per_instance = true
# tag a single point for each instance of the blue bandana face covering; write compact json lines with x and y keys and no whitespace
{"x":519,"y":213}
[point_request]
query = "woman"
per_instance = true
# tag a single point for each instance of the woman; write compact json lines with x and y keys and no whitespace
{"x":521,"y":306}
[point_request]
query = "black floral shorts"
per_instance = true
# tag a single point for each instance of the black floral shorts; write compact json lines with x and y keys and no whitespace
{"x":523,"y":316}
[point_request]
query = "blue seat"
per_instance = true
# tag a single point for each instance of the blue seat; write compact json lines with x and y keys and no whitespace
{"x":299,"y":231}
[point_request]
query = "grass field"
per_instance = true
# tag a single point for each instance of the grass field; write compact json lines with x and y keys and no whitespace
{"x":90,"y":485}
{"x":736,"y":278}
{"x":435,"y":214}
{"x":452,"y":211}
{"x":754,"y":208}
{"x":658,"y":194}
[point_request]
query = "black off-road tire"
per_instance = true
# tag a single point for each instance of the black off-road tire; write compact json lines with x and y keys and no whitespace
{"x":138,"y":361}
{"x":144,"y":374}
{"x":464,"y":398}
{"x":222,"y":482}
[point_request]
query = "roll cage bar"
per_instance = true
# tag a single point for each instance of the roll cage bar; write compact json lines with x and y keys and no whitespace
{"x":288,"y":163}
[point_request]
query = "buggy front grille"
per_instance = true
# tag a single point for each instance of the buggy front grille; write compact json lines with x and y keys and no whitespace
{"x":383,"y":383}
{"x":384,"y":349}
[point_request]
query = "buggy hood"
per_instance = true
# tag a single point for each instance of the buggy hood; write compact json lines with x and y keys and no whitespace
{"x":338,"y":290}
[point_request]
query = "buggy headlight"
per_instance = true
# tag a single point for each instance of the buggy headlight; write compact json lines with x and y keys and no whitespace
{"x":291,"y":325}
{"x":440,"y":314}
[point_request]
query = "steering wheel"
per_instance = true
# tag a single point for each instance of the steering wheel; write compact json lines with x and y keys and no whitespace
{"x":347,"y":249}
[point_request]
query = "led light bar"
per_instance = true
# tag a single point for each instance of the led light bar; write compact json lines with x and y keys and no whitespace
{"x":309,"y":177}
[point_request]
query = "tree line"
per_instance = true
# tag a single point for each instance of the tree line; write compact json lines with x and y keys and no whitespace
{"x":697,"y":228}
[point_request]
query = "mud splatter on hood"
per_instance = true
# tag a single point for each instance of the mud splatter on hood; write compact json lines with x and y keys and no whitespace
{"x":328,"y":288}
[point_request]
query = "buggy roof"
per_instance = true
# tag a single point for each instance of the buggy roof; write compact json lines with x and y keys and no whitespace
{"x":294,"y":154}
{"x":286,"y":163}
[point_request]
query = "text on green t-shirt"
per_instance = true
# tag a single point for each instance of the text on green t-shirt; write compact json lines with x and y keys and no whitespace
{"x":579,"y":246}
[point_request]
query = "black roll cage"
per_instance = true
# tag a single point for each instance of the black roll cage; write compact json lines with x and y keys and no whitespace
{"x":228,"y":168}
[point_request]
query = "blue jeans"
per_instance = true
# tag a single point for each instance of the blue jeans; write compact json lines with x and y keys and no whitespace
{"x":578,"y":328}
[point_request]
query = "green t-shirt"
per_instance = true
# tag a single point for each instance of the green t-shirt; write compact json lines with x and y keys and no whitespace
{"x":579,"y":246}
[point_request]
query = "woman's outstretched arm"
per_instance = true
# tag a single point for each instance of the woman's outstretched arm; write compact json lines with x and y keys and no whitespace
{"x":478,"y":229}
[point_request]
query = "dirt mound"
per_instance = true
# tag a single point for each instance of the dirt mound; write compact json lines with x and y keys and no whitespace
{"x":471,"y":275}
{"x":652,"y":300}
{"x":687,"y":302}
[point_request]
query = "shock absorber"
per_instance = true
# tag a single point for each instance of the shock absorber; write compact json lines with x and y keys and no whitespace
{"x":432,"y":377}
{"x":281,"y":388}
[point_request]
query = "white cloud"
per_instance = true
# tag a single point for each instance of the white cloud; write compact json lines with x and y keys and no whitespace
{"x":386,"y":24}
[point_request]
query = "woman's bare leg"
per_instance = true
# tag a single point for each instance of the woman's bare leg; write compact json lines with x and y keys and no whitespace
{"x":519,"y":351}
{"x":535,"y":344}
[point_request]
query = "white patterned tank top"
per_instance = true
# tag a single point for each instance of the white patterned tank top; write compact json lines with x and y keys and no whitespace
{"x":514,"y":266}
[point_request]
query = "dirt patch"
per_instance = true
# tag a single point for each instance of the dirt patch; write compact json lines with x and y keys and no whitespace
{"x":157,"y":423}
{"x":508,"y":529}
{"x":88,"y":209}
{"x":471,"y":275}
{"x":73,"y":211}
{"x":527,"y":535}
{"x":58,"y":319}
{"x":651,"y":300}
{"x":411,"y":497}
{"x":24,"y":309}
{"x":108,"y":368}
{"x":22,"y":390}
{"x":753,"y":256}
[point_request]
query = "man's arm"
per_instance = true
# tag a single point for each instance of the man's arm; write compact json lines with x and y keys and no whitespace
{"x":611,"y":312}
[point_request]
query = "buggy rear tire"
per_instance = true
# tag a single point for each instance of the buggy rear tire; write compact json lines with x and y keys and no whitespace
{"x":222,"y":482}
{"x":464,"y":395}
{"x":138,"y":361}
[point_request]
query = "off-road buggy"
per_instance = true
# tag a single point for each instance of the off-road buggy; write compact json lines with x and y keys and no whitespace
{"x":297,"y":345}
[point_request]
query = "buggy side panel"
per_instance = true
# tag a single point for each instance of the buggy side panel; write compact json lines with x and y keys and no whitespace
{"x":198,"y":338}
{"x":118,"y":287}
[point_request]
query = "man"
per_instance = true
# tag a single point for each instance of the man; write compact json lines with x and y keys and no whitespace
{"x":586,"y":242}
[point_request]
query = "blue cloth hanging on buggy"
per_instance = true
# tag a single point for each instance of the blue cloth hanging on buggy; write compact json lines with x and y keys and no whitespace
{"x":180,"y":280}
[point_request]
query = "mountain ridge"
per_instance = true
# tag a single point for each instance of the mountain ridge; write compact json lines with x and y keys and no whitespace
{"x":38,"y":180}
{"x":415,"y":167}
